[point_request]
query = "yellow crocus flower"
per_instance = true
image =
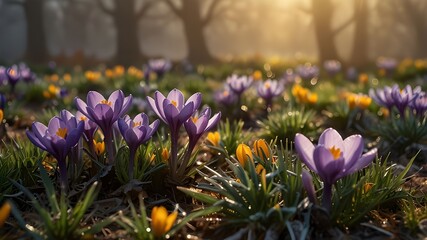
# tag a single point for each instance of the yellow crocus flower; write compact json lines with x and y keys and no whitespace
{"x":119,"y":70}
{"x":99,"y":147}
{"x":67,"y":77}
{"x":1,"y":115}
{"x":261,"y":149}
{"x":165,"y":154}
{"x":92,"y":76}
{"x":4,"y":213}
{"x":363,"y":78}
{"x":214,"y":138}
{"x":243,"y":153}
{"x":161,"y":221}
{"x":257,"y":75}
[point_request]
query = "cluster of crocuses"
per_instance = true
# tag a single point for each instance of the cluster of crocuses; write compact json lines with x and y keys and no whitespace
{"x":13,"y":74}
{"x":332,"y":159}
{"x":236,"y":85}
{"x":61,"y":136}
{"x":174,"y":111}
{"x":63,"y":133}
{"x":401,"y":99}
{"x":386,"y":65}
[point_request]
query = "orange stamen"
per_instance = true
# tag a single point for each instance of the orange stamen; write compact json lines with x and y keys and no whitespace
{"x":336,"y":152}
{"x":106,"y":102}
{"x":62,"y":132}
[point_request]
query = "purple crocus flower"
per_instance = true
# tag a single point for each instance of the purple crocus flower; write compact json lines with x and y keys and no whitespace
{"x":26,"y":74}
{"x":196,"y":126}
{"x":13,"y":76}
{"x":289,"y":77}
{"x":307,"y":71}
{"x":61,"y":134}
{"x":200,"y":123}
{"x":105,"y":113}
{"x":388,"y":64}
{"x":352,"y":74}
{"x":333,"y":158}
{"x":225,"y":97}
{"x":419,"y":104}
{"x":238,"y":84}
{"x":89,"y":127}
{"x":159,"y":66}
{"x":332,"y":67}
{"x":174,"y":112}
{"x":3,"y":76}
{"x":270,"y":89}
{"x":135,"y":132}
{"x":403,"y":97}
{"x":382,"y":97}
{"x":307,"y":182}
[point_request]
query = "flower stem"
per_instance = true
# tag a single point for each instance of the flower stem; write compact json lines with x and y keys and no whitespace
{"x":173,"y":160}
{"x":186,"y":158}
{"x":131,"y":163}
{"x":327,"y":197}
{"x":108,"y":139}
{"x":63,"y":175}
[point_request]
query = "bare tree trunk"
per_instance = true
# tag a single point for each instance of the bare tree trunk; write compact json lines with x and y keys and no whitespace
{"x":359,"y":55}
{"x":322,"y":11}
{"x":37,"y":51}
{"x":194,"y":32}
{"x":421,"y":41}
{"x":126,"y":22}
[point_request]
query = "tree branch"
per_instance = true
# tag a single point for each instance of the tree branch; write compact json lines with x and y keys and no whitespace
{"x":212,"y":11}
{"x":344,"y":25}
{"x":104,"y":8}
{"x":174,"y":8}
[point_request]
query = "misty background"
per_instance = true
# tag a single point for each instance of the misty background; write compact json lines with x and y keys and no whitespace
{"x":129,"y":32}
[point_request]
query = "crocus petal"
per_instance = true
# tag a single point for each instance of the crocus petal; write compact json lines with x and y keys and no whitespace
{"x":331,"y":138}
{"x":153,"y":127}
{"x":328,"y":168}
{"x":353,"y":148}
{"x":94,"y":98}
{"x":35,"y":140}
{"x":305,"y":150}
{"x":74,"y":135}
{"x":171,"y":114}
{"x":186,"y":112}
{"x":191,"y":128}
{"x":117,"y":104}
{"x":213,"y":121}
{"x":196,"y":99}
{"x":81,"y":106}
{"x":132,"y":137}
{"x":307,"y":182}
{"x":123,"y":126}
{"x":159,"y":101}
{"x":127,"y":103}
{"x":39,"y":129}
{"x":54,"y":124}
{"x":158,"y":220}
{"x":153,"y":105}
{"x":362,"y":162}
{"x":176,"y":96}
{"x":60,"y":150}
